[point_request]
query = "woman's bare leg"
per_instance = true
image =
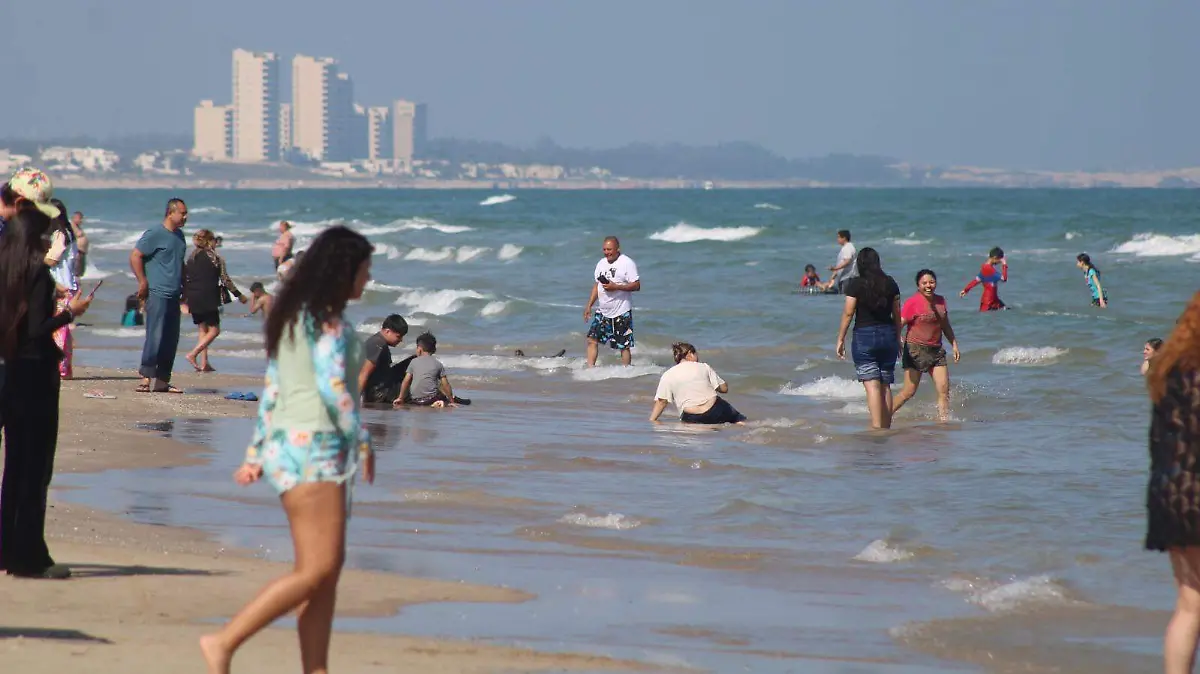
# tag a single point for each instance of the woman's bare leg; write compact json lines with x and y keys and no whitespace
{"x":1179,"y":647}
{"x":317,"y":516}
{"x":876,"y":402}
{"x":208,"y":334}
{"x":912,"y":380}
{"x":941,"y":381}
{"x":191,"y":355}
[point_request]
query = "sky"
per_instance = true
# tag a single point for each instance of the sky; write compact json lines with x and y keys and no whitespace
{"x":1039,"y":84}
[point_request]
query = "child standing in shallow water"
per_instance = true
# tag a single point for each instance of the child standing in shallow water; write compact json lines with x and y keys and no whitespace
{"x":1092,"y":276}
{"x":990,"y":278}
{"x":1151,"y":347}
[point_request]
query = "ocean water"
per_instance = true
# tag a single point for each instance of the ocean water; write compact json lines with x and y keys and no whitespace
{"x":1007,"y":538}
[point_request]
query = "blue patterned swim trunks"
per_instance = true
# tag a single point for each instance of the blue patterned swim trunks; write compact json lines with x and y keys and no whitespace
{"x":616,"y":332}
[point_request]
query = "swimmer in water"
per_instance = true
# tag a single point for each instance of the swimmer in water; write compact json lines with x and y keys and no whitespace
{"x":810,"y":279}
{"x":990,"y":278}
{"x":1148,"y":351}
{"x":1092,"y":276}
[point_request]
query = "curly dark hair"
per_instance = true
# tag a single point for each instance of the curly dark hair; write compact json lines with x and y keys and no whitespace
{"x":319,"y":284}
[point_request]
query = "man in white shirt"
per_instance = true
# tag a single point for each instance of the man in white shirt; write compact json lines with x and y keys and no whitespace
{"x":846,"y":266}
{"x":613,"y":284}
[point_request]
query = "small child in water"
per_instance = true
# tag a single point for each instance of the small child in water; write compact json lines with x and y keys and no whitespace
{"x":1151,"y":347}
{"x":1092,"y":276}
{"x":810,"y":277}
{"x":134,"y":312}
{"x":260,"y":300}
{"x":990,"y":278}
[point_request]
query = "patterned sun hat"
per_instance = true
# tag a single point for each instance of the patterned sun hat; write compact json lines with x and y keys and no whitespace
{"x":35,"y":185}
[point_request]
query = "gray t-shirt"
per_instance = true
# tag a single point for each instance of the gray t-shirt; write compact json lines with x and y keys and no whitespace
{"x":163,"y":252}
{"x":426,"y":372}
{"x":376,"y":350}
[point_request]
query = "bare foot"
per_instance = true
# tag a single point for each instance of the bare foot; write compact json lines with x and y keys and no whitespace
{"x":215,"y":655}
{"x":191,"y":358}
{"x":208,"y":368}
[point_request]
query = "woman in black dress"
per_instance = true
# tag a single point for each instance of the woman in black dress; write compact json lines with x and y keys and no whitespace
{"x":1173,"y":493}
{"x":204,"y":279}
{"x":28,"y":320}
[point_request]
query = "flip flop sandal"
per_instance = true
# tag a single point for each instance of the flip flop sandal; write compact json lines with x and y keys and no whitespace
{"x":168,"y":389}
{"x":142,"y":388}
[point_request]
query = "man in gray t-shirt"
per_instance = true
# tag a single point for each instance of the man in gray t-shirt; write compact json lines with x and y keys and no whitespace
{"x":426,"y":383}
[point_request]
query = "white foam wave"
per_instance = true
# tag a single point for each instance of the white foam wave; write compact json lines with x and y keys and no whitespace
{"x":685,"y":233}
{"x":120,"y":333}
{"x":245,"y":337}
{"x":615,"y":372}
{"x":438,"y":302}
{"x":226,"y":244}
{"x":997,"y":597}
{"x":424,"y":255}
{"x":805,"y":365}
{"x":124,"y":244}
{"x":1070,"y":235}
{"x":614,"y":521}
{"x":493,"y":308}
{"x":94,"y":273}
{"x":507,"y":363}
{"x":908,"y":241}
{"x":417,"y":224}
{"x":383,"y":287}
{"x":1160,"y":245}
{"x":95,"y":231}
{"x":854,"y":409}
{"x":497,"y":199}
{"x":392,"y":252}
{"x":882,"y":552}
{"x":768,"y":207}
{"x":774,"y":423}
{"x":834,"y":388}
{"x":301,"y":228}
{"x":509,"y":252}
{"x":1028,"y":355}
{"x":468,"y":253}
{"x":239,"y":353}
{"x":202,"y":210}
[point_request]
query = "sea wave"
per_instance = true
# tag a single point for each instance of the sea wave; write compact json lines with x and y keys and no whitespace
{"x":1070,"y":235}
{"x":1028,"y":355}
{"x":93,"y":273}
{"x":119,"y":333}
{"x":854,"y":409}
{"x":834,"y":388}
{"x":426,"y":255}
{"x":509,"y":252}
{"x":437,"y":302}
{"x":468,"y":253}
{"x":685,"y":233}
{"x":614,"y":521}
{"x":497,"y":199}
{"x":507,"y":363}
{"x":616,"y":372}
{"x":883,"y":552}
{"x":768,"y":207}
{"x":1012,"y":595}
{"x":392,"y":252}
{"x":202,"y":210}
{"x":418,"y":224}
{"x":908,"y":241}
{"x":383,"y":287}
{"x":493,"y":308}
{"x":125,"y":243}
{"x":1149,"y":244}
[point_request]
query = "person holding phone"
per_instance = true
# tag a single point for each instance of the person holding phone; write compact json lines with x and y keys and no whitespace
{"x":28,"y":320}
{"x":63,"y":260}
{"x":612,"y":323}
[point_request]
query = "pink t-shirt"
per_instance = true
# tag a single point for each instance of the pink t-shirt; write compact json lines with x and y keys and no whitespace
{"x":924,"y":326}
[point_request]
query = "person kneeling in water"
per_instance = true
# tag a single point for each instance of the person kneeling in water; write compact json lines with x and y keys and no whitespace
{"x":425,"y":383}
{"x":693,"y":387}
{"x":380,"y":379}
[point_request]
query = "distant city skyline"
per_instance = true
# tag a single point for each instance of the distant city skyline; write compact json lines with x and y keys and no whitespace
{"x":1019,"y":84}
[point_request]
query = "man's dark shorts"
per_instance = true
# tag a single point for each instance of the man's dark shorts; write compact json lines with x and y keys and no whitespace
{"x":615,"y":332}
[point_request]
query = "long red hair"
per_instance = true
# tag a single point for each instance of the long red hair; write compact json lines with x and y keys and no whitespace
{"x":1181,"y":351}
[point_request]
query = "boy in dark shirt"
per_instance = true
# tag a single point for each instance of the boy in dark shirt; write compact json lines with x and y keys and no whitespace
{"x":379,"y":380}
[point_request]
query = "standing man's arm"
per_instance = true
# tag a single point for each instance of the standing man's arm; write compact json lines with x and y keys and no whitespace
{"x":137,"y":263}
{"x":587,"y":311}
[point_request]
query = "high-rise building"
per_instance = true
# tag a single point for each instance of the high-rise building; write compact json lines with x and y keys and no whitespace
{"x":324,"y":120}
{"x":213,"y":125}
{"x":408,"y":133}
{"x":255,"y":106}
{"x":379,"y":133}
{"x":285,"y":128}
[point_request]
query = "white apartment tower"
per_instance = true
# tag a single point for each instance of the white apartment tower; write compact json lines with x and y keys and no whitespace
{"x":213,"y":126}
{"x":323,"y":115}
{"x":379,"y":133}
{"x":408,"y":133}
{"x":255,"y":106}
{"x":285,"y":128}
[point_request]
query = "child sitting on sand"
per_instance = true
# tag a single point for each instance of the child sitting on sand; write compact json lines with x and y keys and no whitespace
{"x":990,"y":278}
{"x":810,"y":277}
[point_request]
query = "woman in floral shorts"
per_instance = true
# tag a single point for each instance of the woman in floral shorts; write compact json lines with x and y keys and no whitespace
{"x":308,"y":443}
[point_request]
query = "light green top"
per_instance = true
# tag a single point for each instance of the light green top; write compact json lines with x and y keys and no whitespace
{"x":299,"y":405}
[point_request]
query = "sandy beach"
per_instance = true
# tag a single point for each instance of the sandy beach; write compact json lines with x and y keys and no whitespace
{"x":142,"y":595}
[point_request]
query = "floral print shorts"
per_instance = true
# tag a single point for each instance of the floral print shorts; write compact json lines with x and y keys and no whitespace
{"x":290,"y":458}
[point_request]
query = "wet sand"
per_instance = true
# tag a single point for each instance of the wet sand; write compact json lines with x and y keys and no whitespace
{"x":142,"y":595}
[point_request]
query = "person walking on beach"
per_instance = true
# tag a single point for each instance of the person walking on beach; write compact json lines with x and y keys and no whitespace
{"x":693,"y":387}
{"x":846,"y":266}
{"x":282,"y":250}
{"x":1092,"y":276}
{"x":1172,"y":497}
{"x":616,"y":279}
{"x":873,"y":303}
{"x":306,"y":440}
{"x":206,"y":287}
{"x":28,"y":320}
{"x":157,"y":263}
{"x":927,"y":318}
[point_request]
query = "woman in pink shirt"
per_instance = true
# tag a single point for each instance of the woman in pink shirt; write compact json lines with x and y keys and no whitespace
{"x":282,"y":250}
{"x":927,"y":318}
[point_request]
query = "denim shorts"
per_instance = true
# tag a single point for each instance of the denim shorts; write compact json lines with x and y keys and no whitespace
{"x":875,"y":349}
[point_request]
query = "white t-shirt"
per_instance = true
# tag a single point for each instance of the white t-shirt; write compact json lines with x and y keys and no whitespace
{"x":847,"y":253}
{"x":623,"y":270}
{"x":689,"y":384}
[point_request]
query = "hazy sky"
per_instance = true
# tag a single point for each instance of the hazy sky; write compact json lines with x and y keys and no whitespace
{"x":1020,"y":83}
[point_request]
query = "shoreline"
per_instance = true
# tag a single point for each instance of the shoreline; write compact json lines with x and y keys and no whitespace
{"x":142,"y":594}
